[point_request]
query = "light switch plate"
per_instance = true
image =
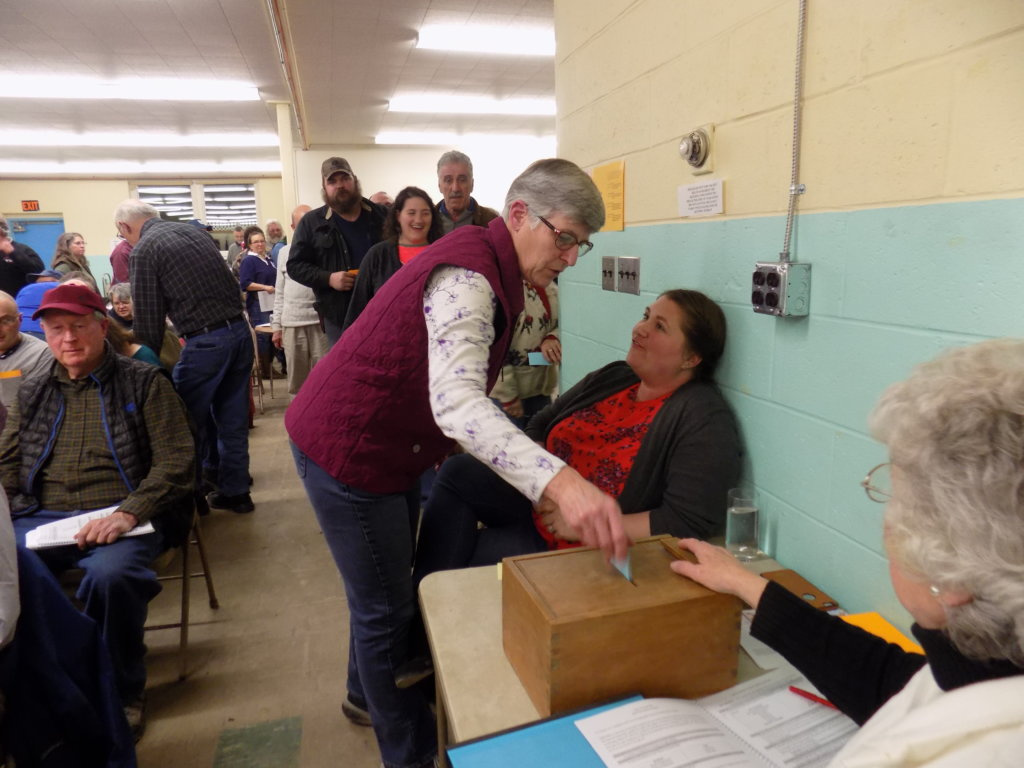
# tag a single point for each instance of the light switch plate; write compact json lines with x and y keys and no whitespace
{"x":628,"y":273}
{"x":607,"y":273}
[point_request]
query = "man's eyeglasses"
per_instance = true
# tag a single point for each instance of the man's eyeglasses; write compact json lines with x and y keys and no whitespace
{"x":566,"y":240}
{"x":8,"y":320}
{"x":877,"y":483}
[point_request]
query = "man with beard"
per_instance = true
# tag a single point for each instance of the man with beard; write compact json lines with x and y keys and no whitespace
{"x":331,"y":240}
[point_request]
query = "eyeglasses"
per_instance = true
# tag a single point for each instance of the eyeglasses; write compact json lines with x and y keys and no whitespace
{"x":566,"y":240}
{"x":8,"y":320}
{"x":877,"y":483}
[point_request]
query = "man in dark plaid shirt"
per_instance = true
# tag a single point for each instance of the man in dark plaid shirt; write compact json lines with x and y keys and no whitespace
{"x":178,"y":272}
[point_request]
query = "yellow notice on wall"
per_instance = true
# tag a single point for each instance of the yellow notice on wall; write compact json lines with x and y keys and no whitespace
{"x":610,"y":179}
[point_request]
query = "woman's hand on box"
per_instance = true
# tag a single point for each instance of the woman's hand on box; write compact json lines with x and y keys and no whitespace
{"x":717,"y":569}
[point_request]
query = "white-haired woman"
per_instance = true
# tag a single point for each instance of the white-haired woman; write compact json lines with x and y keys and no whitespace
{"x":954,"y":532}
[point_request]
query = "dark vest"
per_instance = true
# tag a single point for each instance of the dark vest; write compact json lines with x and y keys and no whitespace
{"x":364,"y":414}
{"x":123,"y":384}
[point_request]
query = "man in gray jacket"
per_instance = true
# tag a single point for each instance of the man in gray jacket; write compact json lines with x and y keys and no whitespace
{"x":295,"y":322}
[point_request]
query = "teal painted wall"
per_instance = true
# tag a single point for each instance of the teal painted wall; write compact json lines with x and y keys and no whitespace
{"x":890,"y":287}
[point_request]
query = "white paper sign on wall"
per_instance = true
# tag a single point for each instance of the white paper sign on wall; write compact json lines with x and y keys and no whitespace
{"x":701,"y":199}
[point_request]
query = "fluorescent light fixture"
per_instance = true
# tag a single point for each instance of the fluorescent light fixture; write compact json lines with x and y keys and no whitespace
{"x":35,"y":138}
{"x":471,"y":105}
{"x":228,"y":188}
{"x":442,"y":138}
{"x":133,"y":168}
{"x":229,"y":199}
{"x":487,"y":38}
{"x":18,"y":85}
{"x":164,"y":191}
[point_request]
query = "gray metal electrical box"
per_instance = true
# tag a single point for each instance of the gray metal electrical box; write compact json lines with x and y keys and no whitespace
{"x":781,"y":288}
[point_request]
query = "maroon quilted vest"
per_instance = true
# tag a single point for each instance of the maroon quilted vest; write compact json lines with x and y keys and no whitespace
{"x":364,"y":415}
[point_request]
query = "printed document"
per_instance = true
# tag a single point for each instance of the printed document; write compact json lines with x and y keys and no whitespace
{"x":758,"y":723}
{"x":61,"y":533}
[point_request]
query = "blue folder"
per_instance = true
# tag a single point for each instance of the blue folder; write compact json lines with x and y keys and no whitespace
{"x":555,"y":742}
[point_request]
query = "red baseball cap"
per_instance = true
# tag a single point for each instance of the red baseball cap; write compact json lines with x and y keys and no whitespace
{"x":76,"y":299}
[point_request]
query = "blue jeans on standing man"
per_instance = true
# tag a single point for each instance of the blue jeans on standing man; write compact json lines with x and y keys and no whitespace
{"x":212,"y":378}
{"x":371,"y":537}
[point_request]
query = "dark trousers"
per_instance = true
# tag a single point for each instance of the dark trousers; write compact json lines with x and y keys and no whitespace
{"x":115,"y":590}
{"x":464,"y":493}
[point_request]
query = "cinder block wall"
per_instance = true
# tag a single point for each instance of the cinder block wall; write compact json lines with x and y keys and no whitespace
{"x":913,"y":157}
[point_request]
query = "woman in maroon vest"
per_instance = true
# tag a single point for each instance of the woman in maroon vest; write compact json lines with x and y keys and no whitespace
{"x":406,"y":382}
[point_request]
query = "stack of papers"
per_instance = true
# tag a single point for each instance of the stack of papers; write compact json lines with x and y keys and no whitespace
{"x":61,"y":533}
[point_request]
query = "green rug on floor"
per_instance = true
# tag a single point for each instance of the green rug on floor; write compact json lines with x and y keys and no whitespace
{"x":274,"y":744}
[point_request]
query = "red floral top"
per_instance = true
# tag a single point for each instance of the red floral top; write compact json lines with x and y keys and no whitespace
{"x":600,"y":442}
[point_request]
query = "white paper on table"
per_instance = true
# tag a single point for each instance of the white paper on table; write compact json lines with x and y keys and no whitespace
{"x":61,"y":533}
{"x":757,"y":722}
{"x":266,"y":301}
{"x":763,"y":655}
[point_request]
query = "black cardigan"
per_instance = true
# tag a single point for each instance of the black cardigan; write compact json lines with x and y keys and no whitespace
{"x":687,"y":461}
{"x":857,"y":671}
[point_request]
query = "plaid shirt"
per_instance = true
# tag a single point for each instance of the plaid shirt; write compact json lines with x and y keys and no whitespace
{"x":177,"y":271}
{"x":81,"y":473}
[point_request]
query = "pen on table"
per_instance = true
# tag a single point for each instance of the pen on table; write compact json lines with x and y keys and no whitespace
{"x":811,"y":696}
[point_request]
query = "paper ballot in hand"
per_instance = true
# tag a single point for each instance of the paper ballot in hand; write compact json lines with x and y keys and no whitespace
{"x":61,"y":533}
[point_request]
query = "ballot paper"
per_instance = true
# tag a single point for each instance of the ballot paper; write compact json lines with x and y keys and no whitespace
{"x":61,"y":533}
{"x":760,"y":722}
{"x":266,"y":300}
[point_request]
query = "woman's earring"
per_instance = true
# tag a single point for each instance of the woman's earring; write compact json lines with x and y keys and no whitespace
{"x":934,"y":590}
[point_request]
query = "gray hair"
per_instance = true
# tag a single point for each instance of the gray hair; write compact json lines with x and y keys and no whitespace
{"x":132,"y":209}
{"x":121,"y":292}
{"x":84,"y":277}
{"x":5,"y":228}
{"x":273,"y":221}
{"x":955,"y":433}
{"x":454,"y":156}
{"x":558,"y":186}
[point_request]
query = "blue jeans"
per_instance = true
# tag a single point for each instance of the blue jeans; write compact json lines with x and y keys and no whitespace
{"x":116,"y":590}
{"x":464,"y":493}
{"x":370,"y":536}
{"x":212,"y":379}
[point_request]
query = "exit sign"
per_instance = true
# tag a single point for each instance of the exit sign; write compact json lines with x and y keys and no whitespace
{"x":29,"y":205}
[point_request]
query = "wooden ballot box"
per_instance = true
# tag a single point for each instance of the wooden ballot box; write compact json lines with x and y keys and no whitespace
{"x":577,"y":633}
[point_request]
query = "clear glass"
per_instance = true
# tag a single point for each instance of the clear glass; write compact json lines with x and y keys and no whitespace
{"x":741,"y":524}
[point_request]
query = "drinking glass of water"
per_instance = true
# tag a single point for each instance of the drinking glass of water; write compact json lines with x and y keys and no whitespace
{"x":741,"y":524}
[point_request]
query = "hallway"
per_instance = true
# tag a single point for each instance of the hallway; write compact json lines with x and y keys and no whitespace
{"x":266,"y":670}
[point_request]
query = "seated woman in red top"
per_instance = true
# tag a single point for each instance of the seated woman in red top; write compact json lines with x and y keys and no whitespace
{"x":653,"y":432}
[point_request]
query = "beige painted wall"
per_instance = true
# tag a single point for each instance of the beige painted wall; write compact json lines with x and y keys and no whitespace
{"x":86,"y":205}
{"x":905,"y":102}
{"x":390,"y":168}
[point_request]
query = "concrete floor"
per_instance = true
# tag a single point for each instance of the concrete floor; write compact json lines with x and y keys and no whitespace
{"x":266,"y":671}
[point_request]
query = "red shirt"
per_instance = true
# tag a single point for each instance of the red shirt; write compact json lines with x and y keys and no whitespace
{"x":600,"y":442}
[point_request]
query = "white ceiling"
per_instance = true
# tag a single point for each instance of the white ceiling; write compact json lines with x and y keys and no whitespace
{"x":349,"y":57}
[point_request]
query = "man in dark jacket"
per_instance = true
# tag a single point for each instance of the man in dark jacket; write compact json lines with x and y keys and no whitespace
{"x":17,"y":261}
{"x":330,"y":243}
{"x":455,"y":181}
{"x":101,"y":432}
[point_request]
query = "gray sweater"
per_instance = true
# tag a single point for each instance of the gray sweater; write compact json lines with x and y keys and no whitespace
{"x":687,"y":461}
